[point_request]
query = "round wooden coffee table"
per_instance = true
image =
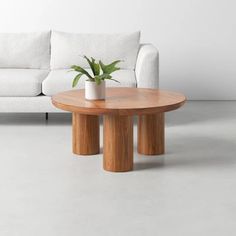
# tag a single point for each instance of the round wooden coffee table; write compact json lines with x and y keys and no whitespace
{"x":118,"y":109}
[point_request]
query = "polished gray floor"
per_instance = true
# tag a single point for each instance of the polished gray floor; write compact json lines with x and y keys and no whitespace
{"x":191,"y":190}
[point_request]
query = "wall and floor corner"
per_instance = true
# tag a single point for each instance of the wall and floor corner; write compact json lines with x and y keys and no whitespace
{"x":196,"y":38}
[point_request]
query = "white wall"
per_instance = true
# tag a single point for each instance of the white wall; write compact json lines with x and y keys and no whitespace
{"x":196,"y":38}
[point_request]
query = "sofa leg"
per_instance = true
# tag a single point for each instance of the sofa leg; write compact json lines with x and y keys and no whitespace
{"x":46,"y":116}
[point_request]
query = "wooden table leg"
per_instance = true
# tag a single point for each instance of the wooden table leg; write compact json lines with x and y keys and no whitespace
{"x":85,"y":134}
{"x":118,"y":143}
{"x":151,"y":134}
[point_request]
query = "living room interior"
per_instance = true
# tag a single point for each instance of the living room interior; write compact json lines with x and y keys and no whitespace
{"x":117,"y":117}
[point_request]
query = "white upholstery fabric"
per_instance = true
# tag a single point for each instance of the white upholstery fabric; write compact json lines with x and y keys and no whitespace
{"x":25,"y":63}
{"x":147,"y":67}
{"x":61,"y":80}
{"x":39,"y":103}
{"x":67,"y":49}
{"x":21,"y":82}
{"x":25,"y":50}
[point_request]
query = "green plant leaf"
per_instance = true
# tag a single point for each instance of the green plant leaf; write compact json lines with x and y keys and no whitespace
{"x":110,"y":68}
{"x":76,"y":80}
{"x":114,"y":80}
{"x":96,"y":69}
{"x":98,"y":79}
{"x":105,"y":76}
{"x":93,"y":65}
{"x":81,"y":70}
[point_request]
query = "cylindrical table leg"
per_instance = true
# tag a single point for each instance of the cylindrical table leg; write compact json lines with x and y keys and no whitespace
{"x":151,"y":134}
{"x":85,"y":134}
{"x":118,"y":143}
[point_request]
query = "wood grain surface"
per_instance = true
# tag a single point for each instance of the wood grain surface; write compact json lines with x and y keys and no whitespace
{"x":120,"y":101}
{"x":118,"y":143}
{"x":151,"y":134}
{"x":85,"y":134}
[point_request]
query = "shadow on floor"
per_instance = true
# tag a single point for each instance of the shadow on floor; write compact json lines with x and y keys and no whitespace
{"x":193,"y":152}
{"x":149,"y":164}
{"x":35,"y":119}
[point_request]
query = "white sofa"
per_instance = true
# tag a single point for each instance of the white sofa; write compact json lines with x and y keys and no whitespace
{"x":34,"y":66}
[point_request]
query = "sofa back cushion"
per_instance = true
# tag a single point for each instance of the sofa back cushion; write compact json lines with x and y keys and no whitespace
{"x":67,"y":49}
{"x":25,"y":50}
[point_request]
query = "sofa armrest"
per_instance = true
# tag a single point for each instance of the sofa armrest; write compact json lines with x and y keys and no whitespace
{"x":147,"y":67}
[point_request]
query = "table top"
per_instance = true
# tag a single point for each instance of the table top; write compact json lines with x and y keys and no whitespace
{"x":120,"y":101}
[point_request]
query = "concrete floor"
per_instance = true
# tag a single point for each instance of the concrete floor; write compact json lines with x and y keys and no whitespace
{"x":191,"y":190}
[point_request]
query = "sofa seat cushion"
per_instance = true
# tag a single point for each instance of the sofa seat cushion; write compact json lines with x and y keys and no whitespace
{"x":61,"y":80}
{"x":67,"y":49}
{"x":21,"y":82}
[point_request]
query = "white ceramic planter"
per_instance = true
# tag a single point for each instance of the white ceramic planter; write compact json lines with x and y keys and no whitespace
{"x":94,"y":91}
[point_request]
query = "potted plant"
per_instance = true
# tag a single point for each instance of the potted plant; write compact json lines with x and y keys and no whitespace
{"x":95,"y":84}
